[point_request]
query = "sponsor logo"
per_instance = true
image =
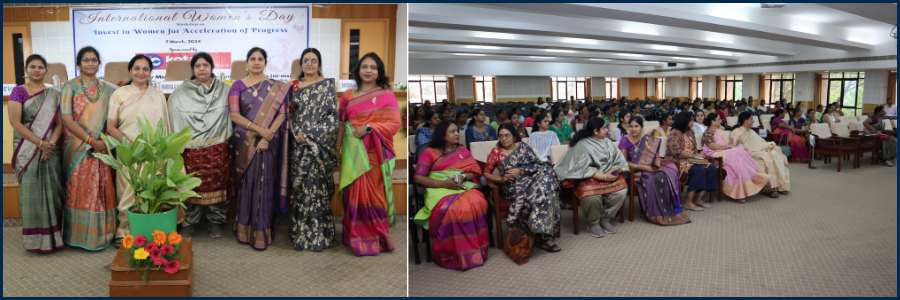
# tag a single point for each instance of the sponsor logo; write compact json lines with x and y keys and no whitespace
{"x":222,"y":60}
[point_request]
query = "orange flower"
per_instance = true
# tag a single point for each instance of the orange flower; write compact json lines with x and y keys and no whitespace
{"x":159,"y":237}
{"x":174,"y":238}
{"x":128,"y":241}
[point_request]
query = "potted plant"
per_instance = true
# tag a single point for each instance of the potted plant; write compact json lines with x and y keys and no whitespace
{"x":152,"y":165}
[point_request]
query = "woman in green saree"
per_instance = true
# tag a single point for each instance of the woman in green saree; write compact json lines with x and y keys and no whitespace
{"x":33,"y":114}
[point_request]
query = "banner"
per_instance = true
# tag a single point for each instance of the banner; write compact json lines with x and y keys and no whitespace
{"x":176,"y":33}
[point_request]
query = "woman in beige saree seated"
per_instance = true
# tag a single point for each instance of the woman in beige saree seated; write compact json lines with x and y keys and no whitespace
{"x":766,"y":154}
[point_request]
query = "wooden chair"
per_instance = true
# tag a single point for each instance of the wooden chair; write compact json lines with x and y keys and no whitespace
{"x":566,"y":195}
{"x":529,"y":130}
{"x":416,"y":202}
{"x":58,"y":69}
{"x":649,"y":126}
{"x":116,"y":71}
{"x":578,"y":126}
{"x":731,"y":121}
{"x":634,"y":180}
{"x":178,"y":70}
{"x":239,"y":71}
{"x":829,"y":144}
{"x":866,"y":143}
{"x":766,"y":121}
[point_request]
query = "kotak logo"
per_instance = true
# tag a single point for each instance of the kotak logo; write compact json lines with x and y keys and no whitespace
{"x":222,"y":60}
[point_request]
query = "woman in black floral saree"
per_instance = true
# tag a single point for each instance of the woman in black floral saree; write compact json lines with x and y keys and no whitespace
{"x":529,"y":183}
{"x":312,"y":156}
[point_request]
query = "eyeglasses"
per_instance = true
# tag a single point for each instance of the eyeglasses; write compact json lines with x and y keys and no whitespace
{"x":90,"y":60}
{"x":310,"y":62}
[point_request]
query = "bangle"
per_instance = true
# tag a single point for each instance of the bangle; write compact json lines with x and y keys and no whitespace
{"x":248,"y":125}
{"x":41,"y":144}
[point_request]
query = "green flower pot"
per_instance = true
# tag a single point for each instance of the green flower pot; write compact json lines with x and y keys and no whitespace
{"x":142,"y":224}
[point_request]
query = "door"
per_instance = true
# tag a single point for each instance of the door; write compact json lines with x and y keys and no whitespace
{"x":359,"y":37}
{"x":16,"y":47}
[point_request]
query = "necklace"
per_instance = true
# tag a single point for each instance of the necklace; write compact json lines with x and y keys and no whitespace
{"x":255,"y":90}
{"x":84,"y":90}
{"x":34,"y":90}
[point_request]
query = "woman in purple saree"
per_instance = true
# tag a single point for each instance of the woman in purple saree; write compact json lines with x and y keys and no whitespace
{"x":657,"y":182}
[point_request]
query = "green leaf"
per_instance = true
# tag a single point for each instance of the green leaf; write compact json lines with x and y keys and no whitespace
{"x":176,"y":146}
{"x":145,"y":174}
{"x":107,"y":159}
{"x":148,"y":194}
{"x":158,"y":183}
{"x":124,"y":155}
{"x":145,"y":207}
{"x":178,"y":164}
{"x":161,"y":129}
{"x":189,"y":184}
{"x":153,"y":138}
{"x":169,"y":195}
{"x":178,"y":177}
{"x":170,"y":183}
{"x":137,"y":151}
{"x":189,"y":194}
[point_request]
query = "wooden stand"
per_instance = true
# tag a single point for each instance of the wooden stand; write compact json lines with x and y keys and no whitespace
{"x":126,"y":282}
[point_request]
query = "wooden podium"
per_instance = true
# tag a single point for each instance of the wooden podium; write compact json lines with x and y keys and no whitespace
{"x":126,"y":282}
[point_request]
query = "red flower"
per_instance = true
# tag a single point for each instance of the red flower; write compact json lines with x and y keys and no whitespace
{"x":172,"y":267}
{"x":151,"y":244}
{"x":154,"y":252}
{"x":166,"y":249}
{"x":140,"y":240}
{"x":159,"y":261}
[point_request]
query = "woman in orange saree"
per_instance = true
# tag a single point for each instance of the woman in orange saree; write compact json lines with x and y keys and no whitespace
{"x":90,"y":211}
{"x":371,"y":115}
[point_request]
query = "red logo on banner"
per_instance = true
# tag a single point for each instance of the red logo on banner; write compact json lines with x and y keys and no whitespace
{"x":222,"y":60}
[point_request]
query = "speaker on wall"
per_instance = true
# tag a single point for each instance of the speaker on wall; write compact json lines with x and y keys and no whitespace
{"x":672,"y":64}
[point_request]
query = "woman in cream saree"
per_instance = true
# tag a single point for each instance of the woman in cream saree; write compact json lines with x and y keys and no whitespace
{"x":767,"y":155}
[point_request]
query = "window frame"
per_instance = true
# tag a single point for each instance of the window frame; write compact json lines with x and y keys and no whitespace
{"x":859,"y":77}
{"x":770,"y":82}
{"x":434,"y":84}
{"x":480,"y":80}
{"x":576,"y":80}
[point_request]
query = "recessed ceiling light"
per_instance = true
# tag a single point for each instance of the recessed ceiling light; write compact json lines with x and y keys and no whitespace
{"x":721,"y":53}
{"x":684,"y":58}
{"x":483,"y":47}
{"x":561,"y":51}
{"x":639,"y":31}
{"x":469,"y":54}
{"x":723,"y":41}
{"x":495,"y":36}
{"x":579,"y":41}
{"x":667,"y":48}
{"x":541,"y":57}
{"x":600,"y":59}
{"x":651,"y":62}
{"x":630,"y":55}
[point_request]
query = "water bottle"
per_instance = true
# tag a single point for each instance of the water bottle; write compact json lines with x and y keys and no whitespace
{"x":56,"y":81}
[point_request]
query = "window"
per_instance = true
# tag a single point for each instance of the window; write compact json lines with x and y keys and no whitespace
{"x":780,"y":86}
{"x":845,"y":88}
{"x":484,"y":89}
{"x":698,"y":88}
{"x":427,"y":87}
{"x":612,"y":88}
{"x":565,"y":87}
{"x":733,"y":87}
{"x":660,"y":88}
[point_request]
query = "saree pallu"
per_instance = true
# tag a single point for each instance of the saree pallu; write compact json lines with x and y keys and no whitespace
{"x":744,"y":178}
{"x":535,"y":193}
{"x":313,"y":116}
{"x":213,"y":165}
{"x":90,"y":213}
{"x":260,"y":190}
{"x":766,"y":155}
{"x":126,"y":106}
{"x":41,"y":193}
{"x":588,"y":157}
{"x":799,"y":153}
{"x":366,"y":170}
{"x":456,"y":219}
{"x":659,"y":192}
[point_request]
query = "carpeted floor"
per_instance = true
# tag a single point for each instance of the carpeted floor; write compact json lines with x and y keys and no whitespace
{"x":223,"y":268}
{"x":834,"y":235}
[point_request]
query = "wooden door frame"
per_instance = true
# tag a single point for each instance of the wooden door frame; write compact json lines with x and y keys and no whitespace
{"x":25,"y":41}
{"x":388,"y":66}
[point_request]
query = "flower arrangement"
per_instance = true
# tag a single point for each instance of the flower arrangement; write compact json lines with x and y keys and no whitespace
{"x":161,"y":252}
{"x":403,"y":121}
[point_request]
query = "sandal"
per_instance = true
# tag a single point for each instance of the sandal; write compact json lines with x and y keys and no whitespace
{"x":782,"y":192}
{"x":770,"y":193}
{"x":565,"y":206}
{"x":118,"y":243}
{"x":552,"y":249}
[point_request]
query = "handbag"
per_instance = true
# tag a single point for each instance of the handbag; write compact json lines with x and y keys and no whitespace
{"x":786,"y":150}
{"x":519,"y":243}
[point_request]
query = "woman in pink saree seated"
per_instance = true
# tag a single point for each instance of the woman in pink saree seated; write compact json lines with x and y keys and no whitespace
{"x":781,"y":130}
{"x":744,"y":177}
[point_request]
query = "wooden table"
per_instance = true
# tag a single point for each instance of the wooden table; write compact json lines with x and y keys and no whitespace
{"x":126,"y":282}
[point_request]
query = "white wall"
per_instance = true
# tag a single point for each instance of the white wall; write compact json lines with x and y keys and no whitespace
{"x":462,"y":86}
{"x":598,"y":87}
{"x":53,"y":40}
{"x":517,"y":68}
{"x":623,"y":87}
{"x":876,"y":87}
{"x":709,"y":87}
{"x":750,"y":86}
{"x":677,"y":86}
{"x":651,"y":88}
{"x":804,"y":86}
{"x":522,"y":86}
{"x":401,"y":55}
{"x":325,"y":36}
